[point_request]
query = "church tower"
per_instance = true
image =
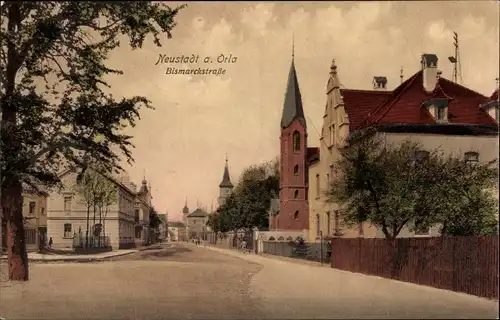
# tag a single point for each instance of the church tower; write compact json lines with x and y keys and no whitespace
{"x":185,"y":211}
{"x":225,"y":187}
{"x":294,"y":208}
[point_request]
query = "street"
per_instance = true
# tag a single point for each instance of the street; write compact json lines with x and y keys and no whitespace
{"x":189,"y":282}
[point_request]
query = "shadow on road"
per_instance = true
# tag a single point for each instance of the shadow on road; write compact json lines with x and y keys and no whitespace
{"x":164,"y":253}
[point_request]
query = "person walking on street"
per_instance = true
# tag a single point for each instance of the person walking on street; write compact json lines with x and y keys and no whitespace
{"x":50,"y":243}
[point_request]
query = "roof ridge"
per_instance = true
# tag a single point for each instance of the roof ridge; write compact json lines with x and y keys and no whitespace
{"x":405,"y":85}
{"x":369,"y":91}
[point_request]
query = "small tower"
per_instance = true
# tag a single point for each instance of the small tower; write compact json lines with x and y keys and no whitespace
{"x":185,"y":211}
{"x":294,"y":207}
{"x":225,"y":187}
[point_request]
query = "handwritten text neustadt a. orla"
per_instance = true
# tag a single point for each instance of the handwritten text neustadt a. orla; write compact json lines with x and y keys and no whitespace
{"x":195,"y":58}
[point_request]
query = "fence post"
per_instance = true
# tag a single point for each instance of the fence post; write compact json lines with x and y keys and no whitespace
{"x":321,"y":246}
{"x":454,"y":271}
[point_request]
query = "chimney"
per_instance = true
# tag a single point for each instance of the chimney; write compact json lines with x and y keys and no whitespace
{"x":429,"y":71}
{"x":379,"y":83}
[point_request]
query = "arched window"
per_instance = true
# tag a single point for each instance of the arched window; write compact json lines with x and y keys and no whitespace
{"x":296,"y":170}
{"x":296,"y":141}
{"x":296,"y":194}
{"x":296,"y":215}
{"x":318,"y":226}
{"x":317,"y":185}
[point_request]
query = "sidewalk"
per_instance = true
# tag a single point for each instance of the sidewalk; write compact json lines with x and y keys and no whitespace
{"x":290,"y":289}
{"x":41,"y":257}
{"x":270,"y":256}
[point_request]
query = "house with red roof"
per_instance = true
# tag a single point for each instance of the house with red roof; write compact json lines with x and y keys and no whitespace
{"x":426,"y":107}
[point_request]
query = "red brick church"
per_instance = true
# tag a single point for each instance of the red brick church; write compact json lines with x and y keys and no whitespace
{"x":293,"y":212}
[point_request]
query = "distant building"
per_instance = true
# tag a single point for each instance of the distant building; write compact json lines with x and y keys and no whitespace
{"x":197,"y":224}
{"x":163,"y":227}
{"x":177,"y":231}
{"x":225,"y":187}
{"x":185,"y":212}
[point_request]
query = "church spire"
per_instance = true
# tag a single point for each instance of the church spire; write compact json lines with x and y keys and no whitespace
{"x":185,"y":209}
{"x":292,"y":107}
{"x":226,"y":180}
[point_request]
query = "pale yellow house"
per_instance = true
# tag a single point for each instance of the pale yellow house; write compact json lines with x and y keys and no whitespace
{"x":426,"y":108}
{"x":67,"y":213}
{"x":35,"y":218}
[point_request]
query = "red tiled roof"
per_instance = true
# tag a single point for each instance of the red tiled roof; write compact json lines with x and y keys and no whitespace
{"x":358,"y":103}
{"x":403,"y":105}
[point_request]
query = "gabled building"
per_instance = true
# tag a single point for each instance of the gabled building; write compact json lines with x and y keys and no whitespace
{"x":67,"y":213}
{"x":426,"y":108}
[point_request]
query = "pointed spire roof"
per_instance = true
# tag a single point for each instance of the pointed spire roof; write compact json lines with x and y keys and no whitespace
{"x":226,"y":180}
{"x":292,"y":107}
{"x":185,"y":209}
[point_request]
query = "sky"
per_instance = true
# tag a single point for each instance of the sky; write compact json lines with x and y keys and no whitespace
{"x":182,"y":144}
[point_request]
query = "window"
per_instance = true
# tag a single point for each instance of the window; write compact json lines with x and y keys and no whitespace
{"x":318,"y":225}
{"x":332,"y":135}
{"x":42,"y":211}
{"x":296,"y":194}
{"x":328,"y":223}
{"x":67,"y":230}
{"x":296,"y":141}
{"x":296,"y":215}
{"x":471,"y":157}
{"x":136,"y":216}
{"x":67,"y":204}
{"x":138,"y":232}
{"x":296,"y":170}
{"x":419,"y":157}
{"x":194,"y":221}
{"x":317,"y":185}
{"x":441,"y":114}
{"x":32,"y":206}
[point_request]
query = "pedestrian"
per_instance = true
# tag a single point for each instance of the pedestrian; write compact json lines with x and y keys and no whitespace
{"x":50,"y":243}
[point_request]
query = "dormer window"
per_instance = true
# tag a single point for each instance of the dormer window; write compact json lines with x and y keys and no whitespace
{"x":492,"y":109}
{"x":442,"y":114}
{"x":438,"y":108}
{"x":471,"y":157}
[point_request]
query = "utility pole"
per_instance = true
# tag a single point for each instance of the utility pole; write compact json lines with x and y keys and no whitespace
{"x":455,"y":60}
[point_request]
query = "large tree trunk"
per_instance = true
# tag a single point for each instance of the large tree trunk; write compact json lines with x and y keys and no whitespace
{"x":12,"y":204}
{"x":11,"y":197}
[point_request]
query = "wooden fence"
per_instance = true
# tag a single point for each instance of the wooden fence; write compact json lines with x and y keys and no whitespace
{"x":463,"y":264}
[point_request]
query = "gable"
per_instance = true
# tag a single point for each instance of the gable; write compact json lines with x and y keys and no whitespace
{"x":359,"y":103}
